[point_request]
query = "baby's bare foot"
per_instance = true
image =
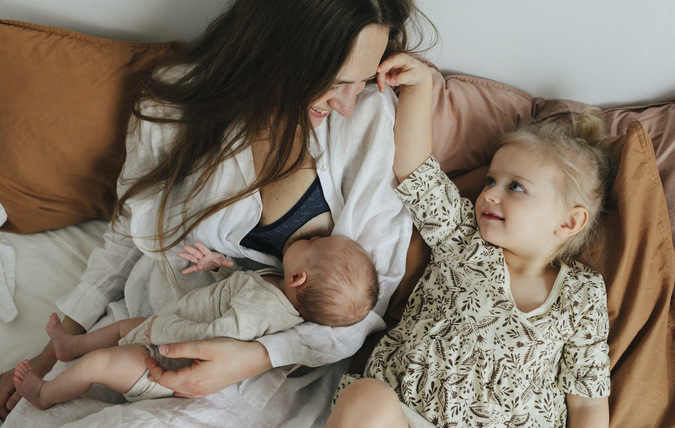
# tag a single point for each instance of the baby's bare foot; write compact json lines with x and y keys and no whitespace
{"x":61,"y":339}
{"x":29,"y":385}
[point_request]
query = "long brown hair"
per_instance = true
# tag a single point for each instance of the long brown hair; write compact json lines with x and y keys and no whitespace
{"x":257,"y":68}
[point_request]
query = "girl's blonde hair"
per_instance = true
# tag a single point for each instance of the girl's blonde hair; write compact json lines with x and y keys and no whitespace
{"x":582,"y":153}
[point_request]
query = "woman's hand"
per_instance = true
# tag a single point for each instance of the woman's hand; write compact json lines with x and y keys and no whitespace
{"x":203,"y":259}
{"x":218,"y":363}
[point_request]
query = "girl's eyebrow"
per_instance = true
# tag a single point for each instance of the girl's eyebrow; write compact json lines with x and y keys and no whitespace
{"x":343,"y":82}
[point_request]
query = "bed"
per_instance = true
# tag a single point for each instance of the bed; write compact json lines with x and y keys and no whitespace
{"x":62,"y":122}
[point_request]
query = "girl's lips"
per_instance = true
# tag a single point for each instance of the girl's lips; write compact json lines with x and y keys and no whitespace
{"x":489,"y":215}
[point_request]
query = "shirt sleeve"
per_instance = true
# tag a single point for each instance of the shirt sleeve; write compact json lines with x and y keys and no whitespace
{"x":584,"y":366}
{"x":105,"y":277}
{"x":110,"y":265}
{"x":434,"y":203}
{"x":359,"y":161}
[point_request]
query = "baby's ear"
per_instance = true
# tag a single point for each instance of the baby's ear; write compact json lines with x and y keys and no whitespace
{"x":573,"y":223}
{"x":297,"y":279}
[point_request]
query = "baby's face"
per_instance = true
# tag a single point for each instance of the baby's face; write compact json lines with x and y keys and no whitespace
{"x":519,"y":208}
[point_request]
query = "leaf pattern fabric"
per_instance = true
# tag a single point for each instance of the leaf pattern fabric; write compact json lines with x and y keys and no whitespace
{"x":463,"y":353}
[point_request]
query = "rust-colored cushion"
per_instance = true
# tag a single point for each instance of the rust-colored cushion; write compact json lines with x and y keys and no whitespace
{"x":65,"y":102}
{"x":469,"y":113}
{"x":637,"y":260}
{"x":658,"y":120}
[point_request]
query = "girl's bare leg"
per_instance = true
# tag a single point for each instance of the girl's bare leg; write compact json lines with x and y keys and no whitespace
{"x":118,"y":368}
{"x":70,"y":346}
{"x":367,"y":403}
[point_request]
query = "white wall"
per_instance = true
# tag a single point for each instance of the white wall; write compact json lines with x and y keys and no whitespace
{"x":605,"y":52}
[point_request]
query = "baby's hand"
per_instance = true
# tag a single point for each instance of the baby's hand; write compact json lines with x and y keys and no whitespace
{"x":203,"y":258}
{"x":148,"y":331}
{"x":402,"y":70}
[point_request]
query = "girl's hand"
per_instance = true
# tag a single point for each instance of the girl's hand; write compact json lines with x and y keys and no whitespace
{"x":148,"y":331}
{"x":402,"y":70}
{"x":218,"y":363}
{"x":203,"y":258}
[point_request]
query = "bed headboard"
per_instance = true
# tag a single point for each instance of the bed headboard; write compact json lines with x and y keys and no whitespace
{"x":611,"y":52}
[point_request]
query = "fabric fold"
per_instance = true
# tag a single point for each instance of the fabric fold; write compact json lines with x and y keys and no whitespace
{"x":8,"y":309}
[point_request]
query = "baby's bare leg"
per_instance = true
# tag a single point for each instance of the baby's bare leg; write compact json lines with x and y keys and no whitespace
{"x":70,"y":346}
{"x":367,"y":403}
{"x":118,"y":368}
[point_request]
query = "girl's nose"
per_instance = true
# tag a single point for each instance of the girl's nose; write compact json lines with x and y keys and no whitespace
{"x":492,"y":195}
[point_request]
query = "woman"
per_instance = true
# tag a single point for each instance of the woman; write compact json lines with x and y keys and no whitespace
{"x":224,"y":145}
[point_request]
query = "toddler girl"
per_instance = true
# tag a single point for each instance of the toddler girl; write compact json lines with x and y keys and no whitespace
{"x":504,"y":328}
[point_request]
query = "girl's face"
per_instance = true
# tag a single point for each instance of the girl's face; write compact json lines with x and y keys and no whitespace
{"x":356,"y":71}
{"x":519,"y":208}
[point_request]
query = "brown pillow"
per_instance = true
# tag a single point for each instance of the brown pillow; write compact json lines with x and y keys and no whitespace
{"x":469,"y":113}
{"x":637,"y":260}
{"x":63,"y":117}
{"x":658,"y":120}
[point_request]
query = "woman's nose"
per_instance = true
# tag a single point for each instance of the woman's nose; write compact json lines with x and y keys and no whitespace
{"x":344,"y":100}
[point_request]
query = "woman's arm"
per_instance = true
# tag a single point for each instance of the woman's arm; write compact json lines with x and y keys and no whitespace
{"x":585,"y":412}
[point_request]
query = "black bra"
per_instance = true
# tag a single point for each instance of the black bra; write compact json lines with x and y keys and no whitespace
{"x":270,"y":239}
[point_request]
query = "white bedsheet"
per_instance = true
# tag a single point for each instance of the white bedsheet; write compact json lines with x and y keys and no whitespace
{"x":300,"y":402}
{"x":48,"y":265}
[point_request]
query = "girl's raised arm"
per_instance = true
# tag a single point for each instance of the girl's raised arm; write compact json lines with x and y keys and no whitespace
{"x":412,"y":130}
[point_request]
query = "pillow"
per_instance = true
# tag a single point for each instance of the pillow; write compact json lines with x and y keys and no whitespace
{"x":63,"y":116}
{"x":658,"y":121}
{"x":637,"y":261}
{"x":469,"y":113}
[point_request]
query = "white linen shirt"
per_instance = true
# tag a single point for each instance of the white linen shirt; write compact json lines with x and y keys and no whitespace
{"x":354,"y":157}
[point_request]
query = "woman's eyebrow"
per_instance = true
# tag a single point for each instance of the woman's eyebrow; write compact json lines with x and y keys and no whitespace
{"x":343,"y":82}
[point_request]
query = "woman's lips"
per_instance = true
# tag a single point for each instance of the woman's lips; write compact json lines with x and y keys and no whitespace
{"x":319,"y":113}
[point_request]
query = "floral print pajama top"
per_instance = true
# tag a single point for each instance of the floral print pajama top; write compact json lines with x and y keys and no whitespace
{"x":463,"y":353}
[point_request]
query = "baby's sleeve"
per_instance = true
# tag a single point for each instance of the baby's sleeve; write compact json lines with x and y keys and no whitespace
{"x":584,"y":366}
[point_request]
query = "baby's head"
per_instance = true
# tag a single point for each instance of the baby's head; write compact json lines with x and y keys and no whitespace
{"x":330,"y":280}
{"x":546,"y":188}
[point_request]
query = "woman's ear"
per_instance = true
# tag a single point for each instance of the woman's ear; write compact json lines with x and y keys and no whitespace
{"x":297,"y":279}
{"x":574,"y":221}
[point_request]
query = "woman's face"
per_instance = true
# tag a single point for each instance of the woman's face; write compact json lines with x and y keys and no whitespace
{"x":352,"y":77}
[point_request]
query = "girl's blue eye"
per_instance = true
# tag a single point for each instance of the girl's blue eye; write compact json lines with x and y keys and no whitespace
{"x":516,"y":187}
{"x":489,"y":181}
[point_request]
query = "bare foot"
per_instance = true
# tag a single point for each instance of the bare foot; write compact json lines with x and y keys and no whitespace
{"x":61,"y":339}
{"x":29,"y":385}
